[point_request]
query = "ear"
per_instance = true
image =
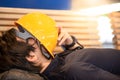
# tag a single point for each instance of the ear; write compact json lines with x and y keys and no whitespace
{"x":31,"y":57}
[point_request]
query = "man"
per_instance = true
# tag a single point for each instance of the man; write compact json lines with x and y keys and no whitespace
{"x":35,"y":52}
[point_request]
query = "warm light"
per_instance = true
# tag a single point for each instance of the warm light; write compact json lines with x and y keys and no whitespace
{"x":100,"y":10}
{"x":105,"y":31}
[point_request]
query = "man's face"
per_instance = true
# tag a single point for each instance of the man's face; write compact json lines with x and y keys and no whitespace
{"x":25,"y":36}
{"x":35,"y":57}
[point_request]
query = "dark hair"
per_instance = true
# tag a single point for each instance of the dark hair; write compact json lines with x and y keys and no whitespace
{"x":13,"y":53}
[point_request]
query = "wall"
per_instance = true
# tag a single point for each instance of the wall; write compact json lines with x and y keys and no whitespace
{"x":37,"y":4}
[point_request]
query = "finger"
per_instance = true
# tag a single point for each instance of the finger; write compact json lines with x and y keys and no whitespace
{"x":59,"y":29}
{"x":63,"y":39}
{"x":60,"y":35}
{"x":60,"y":39}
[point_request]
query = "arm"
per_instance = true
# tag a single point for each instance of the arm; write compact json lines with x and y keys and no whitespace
{"x":67,"y":41}
{"x":86,"y":71}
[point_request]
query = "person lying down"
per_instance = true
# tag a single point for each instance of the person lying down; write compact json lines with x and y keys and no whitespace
{"x":30,"y":49}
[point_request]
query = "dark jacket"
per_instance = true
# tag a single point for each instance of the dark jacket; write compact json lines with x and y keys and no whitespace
{"x":85,"y":64}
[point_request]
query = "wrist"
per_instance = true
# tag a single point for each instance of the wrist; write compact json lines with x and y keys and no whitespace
{"x":73,"y":45}
{"x":68,"y":46}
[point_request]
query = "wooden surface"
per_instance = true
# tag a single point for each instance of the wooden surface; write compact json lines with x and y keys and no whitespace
{"x":84,"y":28}
{"x":115,"y":21}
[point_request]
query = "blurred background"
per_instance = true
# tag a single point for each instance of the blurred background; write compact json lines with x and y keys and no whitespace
{"x":101,"y":8}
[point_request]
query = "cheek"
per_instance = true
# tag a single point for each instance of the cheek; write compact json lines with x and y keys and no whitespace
{"x":38,"y":55}
{"x":37,"y":61}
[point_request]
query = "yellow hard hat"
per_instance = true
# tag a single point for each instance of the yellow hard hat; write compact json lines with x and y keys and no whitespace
{"x":41,"y":27}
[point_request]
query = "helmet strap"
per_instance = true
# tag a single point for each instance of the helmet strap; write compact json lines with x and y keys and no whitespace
{"x":47,"y":55}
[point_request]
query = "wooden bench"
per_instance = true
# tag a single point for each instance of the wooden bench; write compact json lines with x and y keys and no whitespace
{"x":84,"y":28}
{"x":115,"y":21}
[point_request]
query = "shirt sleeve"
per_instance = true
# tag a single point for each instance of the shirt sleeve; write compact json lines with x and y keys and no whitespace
{"x":86,"y":71}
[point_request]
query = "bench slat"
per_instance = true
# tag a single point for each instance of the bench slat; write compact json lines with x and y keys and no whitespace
{"x":58,"y":18}
{"x":64,"y":24}
{"x":70,"y":30}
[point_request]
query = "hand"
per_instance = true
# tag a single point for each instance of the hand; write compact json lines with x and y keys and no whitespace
{"x":63,"y":37}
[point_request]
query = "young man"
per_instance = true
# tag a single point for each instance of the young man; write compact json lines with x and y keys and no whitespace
{"x":33,"y":52}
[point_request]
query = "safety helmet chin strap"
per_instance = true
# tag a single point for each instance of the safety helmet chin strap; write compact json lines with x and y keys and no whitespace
{"x":47,"y":55}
